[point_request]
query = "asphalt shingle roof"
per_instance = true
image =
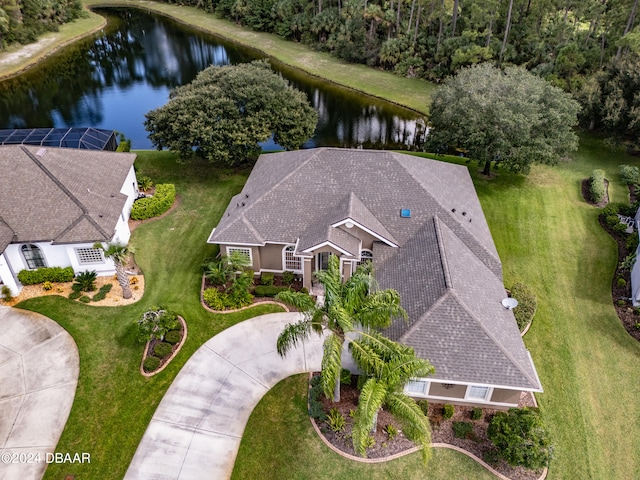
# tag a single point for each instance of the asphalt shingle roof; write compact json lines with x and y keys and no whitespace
{"x":61,"y":195}
{"x":446,"y":267}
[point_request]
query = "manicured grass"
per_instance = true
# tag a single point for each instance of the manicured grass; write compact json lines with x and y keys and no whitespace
{"x":18,"y":58}
{"x":279,"y":442}
{"x":408,"y":92}
{"x":114,"y":402}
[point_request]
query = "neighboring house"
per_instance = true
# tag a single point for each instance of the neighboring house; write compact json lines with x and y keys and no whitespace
{"x":55,"y":203}
{"x":421,"y":224}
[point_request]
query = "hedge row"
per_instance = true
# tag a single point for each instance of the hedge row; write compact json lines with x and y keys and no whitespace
{"x":154,"y":206}
{"x":268,"y":290}
{"x":46,"y":274}
{"x":597,"y":188}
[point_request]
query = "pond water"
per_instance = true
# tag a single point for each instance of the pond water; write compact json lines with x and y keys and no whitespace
{"x":112,"y":79}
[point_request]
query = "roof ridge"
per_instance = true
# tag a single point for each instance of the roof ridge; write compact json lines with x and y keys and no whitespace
{"x":75,"y":223}
{"x":493,"y":338}
{"x":448,"y":283}
{"x":66,"y":191}
{"x":250,"y":226}
{"x":418,"y":321}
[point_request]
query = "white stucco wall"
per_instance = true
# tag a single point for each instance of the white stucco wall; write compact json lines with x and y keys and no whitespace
{"x":7,"y":278}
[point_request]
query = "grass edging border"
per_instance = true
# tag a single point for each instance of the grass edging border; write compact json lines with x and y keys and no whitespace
{"x":175,"y":352}
{"x":208,"y":308}
{"x":526,"y":329}
{"x":409,"y":451}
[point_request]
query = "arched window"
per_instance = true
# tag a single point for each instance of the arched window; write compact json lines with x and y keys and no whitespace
{"x":291,"y":262}
{"x":365,"y":256}
{"x":33,"y":256}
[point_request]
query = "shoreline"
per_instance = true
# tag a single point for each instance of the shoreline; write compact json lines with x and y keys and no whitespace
{"x":409,"y":93}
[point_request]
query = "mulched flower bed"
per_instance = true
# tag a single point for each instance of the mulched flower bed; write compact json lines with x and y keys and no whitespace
{"x":587,"y":195}
{"x":442,"y":432}
{"x":163,"y":361}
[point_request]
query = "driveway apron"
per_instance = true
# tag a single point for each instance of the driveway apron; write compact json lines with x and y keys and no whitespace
{"x":39,"y":367}
{"x":196,"y":431}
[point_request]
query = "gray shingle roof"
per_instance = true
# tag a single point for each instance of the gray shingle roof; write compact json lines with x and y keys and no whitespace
{"x":61,"y":195}
{"x":446,"y":268}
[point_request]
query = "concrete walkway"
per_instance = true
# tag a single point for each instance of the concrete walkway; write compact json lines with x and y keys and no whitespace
{"x":39,"y":367}
{"x":195,"y":433}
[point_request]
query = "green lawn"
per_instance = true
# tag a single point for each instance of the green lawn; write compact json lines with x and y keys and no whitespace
{"x":114,"y":402}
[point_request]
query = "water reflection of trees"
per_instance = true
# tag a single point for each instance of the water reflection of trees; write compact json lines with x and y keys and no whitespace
{"x":136,"y":48}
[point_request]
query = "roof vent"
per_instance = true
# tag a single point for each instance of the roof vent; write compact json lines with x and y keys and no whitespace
{"x":405,"y":213}
{"x":41,"y":152}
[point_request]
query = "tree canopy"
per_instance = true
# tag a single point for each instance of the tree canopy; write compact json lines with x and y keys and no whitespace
{"x":508,"y":117}
{"x":226,"y":111}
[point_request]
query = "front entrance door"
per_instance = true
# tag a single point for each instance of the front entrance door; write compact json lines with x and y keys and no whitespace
{"x":322,"y":260}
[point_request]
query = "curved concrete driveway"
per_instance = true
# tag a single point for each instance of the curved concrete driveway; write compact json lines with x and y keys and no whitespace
{"x":39,"y":368}
{"x":196,"y":430}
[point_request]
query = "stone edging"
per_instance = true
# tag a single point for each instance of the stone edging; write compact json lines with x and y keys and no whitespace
{"x":410,"y":451}
{"x":175,"y":352}
{"x":265,"y":302}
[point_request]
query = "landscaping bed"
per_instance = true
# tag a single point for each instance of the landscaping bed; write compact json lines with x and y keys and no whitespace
{"x":175,"y":338}
{"x":475,"y":442}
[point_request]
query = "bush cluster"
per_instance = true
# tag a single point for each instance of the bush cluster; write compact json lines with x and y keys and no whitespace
{"x":217,"y":300}
{"x":154,"y":206}
{"x":46,"y":274}
{"x":267,"y":278}
{"x":75,"y":295}
{"x":47,"y":285}
{"x":85,"y":281}
{"x":597,"y":188}
{"x":85,"y":299}
{"x":336,"y":420}
{"x":268,"y":290}
{"x":315,"y":406}
{"x":476,"y":413}
{"x":527,"y":304}
{"x":173,"y":337}
{"x":288,"y":277}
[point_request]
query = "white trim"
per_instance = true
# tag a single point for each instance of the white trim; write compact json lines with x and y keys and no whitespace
{"x":325,"y":244}
{"x":488,"y":394}
{"x":241,"y":248}
{"x":365,"y":229}
{"x":504,"y":387}
{"x":296,"y":257}
{"x":455,"y":399}
{"x":238,"y":243}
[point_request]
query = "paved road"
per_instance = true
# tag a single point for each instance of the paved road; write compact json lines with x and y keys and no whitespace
{"x":195,"y":433}
{"x":39,"y":367}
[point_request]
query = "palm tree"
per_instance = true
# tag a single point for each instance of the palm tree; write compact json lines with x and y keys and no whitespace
{"x":348,"y":306}
{"x":389,"y":366}
{"x":119,"y":254}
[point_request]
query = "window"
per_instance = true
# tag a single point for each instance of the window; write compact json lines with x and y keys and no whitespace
{"x":291,"y":262}
{"x":322,"y":260}
{"x":89,"y":255}
{"x":365,"y":256}
{"x":33,"y":256}
{"x":416,"y":386}
{"x":477,"y":393}
{"x":245,"y":251}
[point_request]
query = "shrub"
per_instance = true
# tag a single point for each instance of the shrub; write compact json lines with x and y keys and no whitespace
{"x":462,"y":429}
{"x":99,"y":296}
{"x":611,"y":209}
{"x":391,"y":431}
{"x":424,"y":406}
{"x":629,"y":174}
{"x":266,"y":278}
{"x":447,"y":411}
{"x":84,"y":299}
{"x":621,"y":282}
{"x":86,"y":281}
{"x":622,"y":303}
{"x":527,"y":304}
{"x":288,"y":277}
{"x":6,"y":293}
{"x":315,"y":406}
{"x":476,"y":413}
{"x":597,"y":188}
{"x":268,"y":291}
{"x":155,"y":323}
{"x":620,"y":228}
{"x":216,"y":272}
{"x":215,"y":299}
{"x":371,"y":442}
{"x":47,"y":285}
{"x":106,"y":288}
{"x":47,"y":274}
{"x":336,"y":420}
{"x":173,"y":337}
{"x":304,"y":290}
{"x":628,"y":210}
{"x":632,"y":242}
{"x":162,"y":349}
{"x":612,"y":220}
{"x":145,"y":184}
{"x":133,"y":280}
{"x":154,"y":206}
{"x":521,"y":438}
{"x":75,"y":295}
{"x":345,"y":377}
{"x":492,"y":457}
{"x":150,"y":364}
